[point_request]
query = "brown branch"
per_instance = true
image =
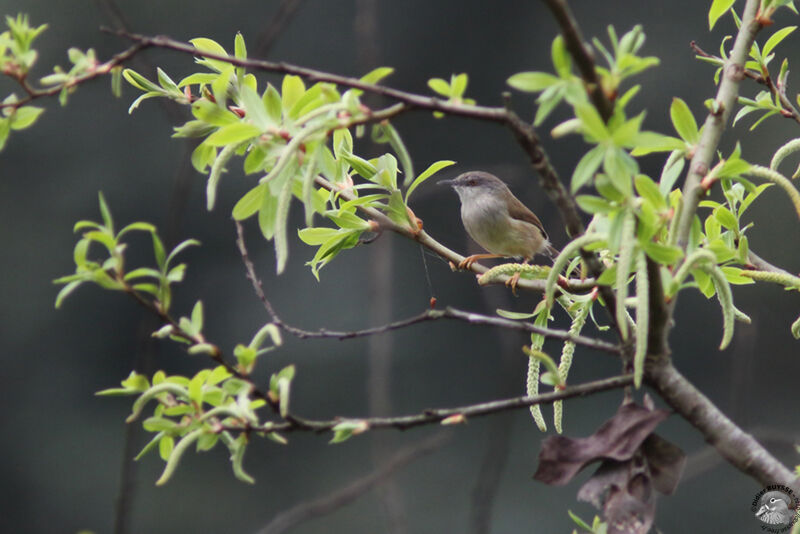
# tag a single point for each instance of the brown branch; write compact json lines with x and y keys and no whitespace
{"x":426,"y":316}
{"x":736,"y":446}
{"x":99,"y":70}
{"x":434,"y":416}
{"x":325,"y":505}
{"x":584,"y":59}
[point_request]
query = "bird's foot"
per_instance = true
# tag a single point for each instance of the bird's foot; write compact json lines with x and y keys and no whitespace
{"x":512,"y":282}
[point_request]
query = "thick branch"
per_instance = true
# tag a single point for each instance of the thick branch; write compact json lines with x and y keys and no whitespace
{"x":717,"y":118}
{"x":735,"y":445}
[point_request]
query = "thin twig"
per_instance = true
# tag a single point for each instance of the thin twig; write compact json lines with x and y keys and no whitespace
{"x":426,"y":316}
{"x":787,"y":108}
{"x":95,"y":72}
{"x":433,"y":416}
{"x":325,"y":505}
{"x":584,"y":59}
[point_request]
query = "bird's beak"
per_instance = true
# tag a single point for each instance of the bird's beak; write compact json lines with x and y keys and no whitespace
{"x":446,"y":182}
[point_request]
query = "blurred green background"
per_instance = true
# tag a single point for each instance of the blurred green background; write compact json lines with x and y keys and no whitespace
{"x":63,"y":449}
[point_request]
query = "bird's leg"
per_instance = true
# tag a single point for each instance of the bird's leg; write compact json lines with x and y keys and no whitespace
{"x":514,"y":280}
{"x":467,"y":262}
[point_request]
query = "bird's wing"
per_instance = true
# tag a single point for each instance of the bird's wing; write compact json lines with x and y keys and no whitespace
{"x":518,"y":210}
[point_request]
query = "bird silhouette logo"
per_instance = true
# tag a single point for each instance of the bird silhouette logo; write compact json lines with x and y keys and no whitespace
{"x":776,"y":508}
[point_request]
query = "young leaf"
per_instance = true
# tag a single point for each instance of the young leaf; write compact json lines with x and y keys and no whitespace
{"x":427,"y":173}
{"x":718,"y":8}
{"x":683,"y":121}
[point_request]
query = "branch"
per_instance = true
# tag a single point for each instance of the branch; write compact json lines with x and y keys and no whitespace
{"x":584,"y":59}
{"x":733,"y":72}
{"x":763,"y":265}
{"x":102,"y":69}
{"x":434,"y":416}
{"x":325,"y":505}
{"x":426,"y":316}
{"x":735,"y":445}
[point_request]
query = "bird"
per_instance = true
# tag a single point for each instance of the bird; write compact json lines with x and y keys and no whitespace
{"x":498,"y":221}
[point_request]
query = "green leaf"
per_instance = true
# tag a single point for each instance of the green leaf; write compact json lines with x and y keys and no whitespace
{"x":108,"y":222}
{"x":166,"y":82}
{"x":648,"y":189}
{"x":211,"y":113}
{"x":208,"y":45}
{"x":24,"y":117}
{"x":233,"y":133}
{"x":376,"y":75}
{"x":663,"y":254}
{"x":316,"y":236}
{"x":281,"y":223}
{"x":458,"y":83}
{"x":255,"y":108}
{"x":239,"y":48}
{"x":718,"y":8}
{"x":649,"y":142}
{"x":514,"y":315}
{"x":776,"y":38}
{"x":66,"y":291}
{"x":203,"y":156}
{"x":432,"y":169}
{"x":593,"y":204}
{"x":272,"y":103}
{"x":360,"y":165}
{"x":618,"y":169}
{"x":291,"y":91}
{"x":140,"y":82}
{"x":726,"y":218}
{"x":561,"y":58}
{"x":267,"y":213}
{"x":734,"y":276}
{"x":593,"y":126}
{"x":586,"y":167}
{"x":532,"y":82}
{"x":440,"y":86}
{"x":683,"y":121}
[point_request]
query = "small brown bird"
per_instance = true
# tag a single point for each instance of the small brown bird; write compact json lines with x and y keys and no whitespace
{"x":498,"y":221}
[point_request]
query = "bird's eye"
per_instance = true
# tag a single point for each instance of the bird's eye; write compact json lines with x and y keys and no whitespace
{"x":471,"y":181}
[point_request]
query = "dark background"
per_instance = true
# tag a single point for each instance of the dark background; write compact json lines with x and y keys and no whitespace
{"x":63,"y":448}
